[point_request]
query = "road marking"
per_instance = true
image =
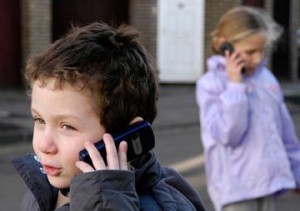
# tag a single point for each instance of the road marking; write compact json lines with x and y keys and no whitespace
{"x":191,"y":163}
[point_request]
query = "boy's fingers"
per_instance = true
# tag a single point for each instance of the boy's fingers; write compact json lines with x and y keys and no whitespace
{"x":111,"y":152}
{"x":84,"y":167}
{"x":123,"y":155}
{"x":114,"y":159}
{"x":95,"y":156}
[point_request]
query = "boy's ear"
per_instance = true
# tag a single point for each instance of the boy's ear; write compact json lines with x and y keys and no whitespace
{"x":136,"y":119}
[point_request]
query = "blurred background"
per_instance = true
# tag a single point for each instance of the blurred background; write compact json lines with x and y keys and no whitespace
{"x":175,"y":32}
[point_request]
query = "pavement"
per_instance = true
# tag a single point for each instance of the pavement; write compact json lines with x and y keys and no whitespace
{"x":15,"y":118}
{"x":176,"y":128}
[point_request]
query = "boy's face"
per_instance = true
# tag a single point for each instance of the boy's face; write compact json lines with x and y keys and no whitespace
{"x":63,"y":120}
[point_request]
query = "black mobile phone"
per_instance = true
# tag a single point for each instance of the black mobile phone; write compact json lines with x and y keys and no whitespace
{"x":139,"y":137}
{"x":227,"y":46}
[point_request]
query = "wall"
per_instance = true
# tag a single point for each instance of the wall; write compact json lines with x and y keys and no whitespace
{"x":36,"y":25}
{"x":143,"y":16}
{"x":214,"y":10}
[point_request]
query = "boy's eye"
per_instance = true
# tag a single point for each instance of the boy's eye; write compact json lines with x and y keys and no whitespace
{"x":68,"y":127}
{"x":39,"y":121}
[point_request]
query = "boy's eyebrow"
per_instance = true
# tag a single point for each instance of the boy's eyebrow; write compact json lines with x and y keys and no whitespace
{"x":33,"y":110}
{"x":59,"y":116}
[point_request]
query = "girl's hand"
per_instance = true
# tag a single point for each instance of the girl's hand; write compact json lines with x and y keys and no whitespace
{"x":235,"y":64}
{"x":116,"y":159}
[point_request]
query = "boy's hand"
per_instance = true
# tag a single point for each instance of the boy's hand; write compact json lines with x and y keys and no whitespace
{"x":116,"y":159}
{"x":235,"y":64}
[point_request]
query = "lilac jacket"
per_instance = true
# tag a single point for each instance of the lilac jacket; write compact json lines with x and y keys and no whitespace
{"x":251,"y":148}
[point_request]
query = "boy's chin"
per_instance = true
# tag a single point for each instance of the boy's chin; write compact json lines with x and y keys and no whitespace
{"x":58,"y":183}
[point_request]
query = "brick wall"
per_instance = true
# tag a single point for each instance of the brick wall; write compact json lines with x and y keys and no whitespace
{"x":37,"y":22}
{"x":143,"y":16}
{"x":36,"y":25}
{"x":214,"y":10}
{"x":269,"y":6}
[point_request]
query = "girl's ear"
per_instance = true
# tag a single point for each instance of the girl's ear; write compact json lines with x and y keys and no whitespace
{"x":136,"y":119}
{"x":219,"y":42}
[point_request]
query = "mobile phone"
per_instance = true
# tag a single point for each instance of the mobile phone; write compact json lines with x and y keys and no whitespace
{"x":227,"y":46}
{"x":139,"y":137}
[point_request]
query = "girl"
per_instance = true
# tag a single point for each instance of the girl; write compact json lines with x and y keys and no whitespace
{"x":251,"y":148}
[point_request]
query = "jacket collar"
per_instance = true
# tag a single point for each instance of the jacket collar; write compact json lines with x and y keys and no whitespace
{"x":31,"y":172}
{"x":147,"y":172}
{"x":147,"y":175}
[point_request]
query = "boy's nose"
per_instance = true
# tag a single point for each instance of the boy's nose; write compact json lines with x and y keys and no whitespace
{"x":47,"y":142}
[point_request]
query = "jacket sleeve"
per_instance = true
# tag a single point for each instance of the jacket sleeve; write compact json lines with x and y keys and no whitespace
{"x":291,"y":142}
{"x":223,"y":110}
{"x":104,"y":190}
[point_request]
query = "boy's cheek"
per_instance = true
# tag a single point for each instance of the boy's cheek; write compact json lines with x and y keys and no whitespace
{"x":35,"y":143}
{"x":72,"y":153}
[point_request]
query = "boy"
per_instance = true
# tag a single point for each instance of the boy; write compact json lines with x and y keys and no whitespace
{"x":91,"y":83}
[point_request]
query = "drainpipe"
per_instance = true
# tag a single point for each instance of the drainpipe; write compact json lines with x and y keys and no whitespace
{"x":294,"y":24}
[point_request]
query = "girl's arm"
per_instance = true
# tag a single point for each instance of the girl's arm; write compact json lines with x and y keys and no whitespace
{"x":291,"y":142}
{"x":223,"y":110}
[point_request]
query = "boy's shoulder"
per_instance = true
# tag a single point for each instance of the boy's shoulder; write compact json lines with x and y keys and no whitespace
{"x":166,"y":185}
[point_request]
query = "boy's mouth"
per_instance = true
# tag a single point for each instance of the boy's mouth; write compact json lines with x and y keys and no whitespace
{"x":51,"y":171}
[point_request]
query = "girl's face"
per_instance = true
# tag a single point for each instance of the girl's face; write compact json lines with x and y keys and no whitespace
{"x":252,"y":50}
{"x":63,"y":120}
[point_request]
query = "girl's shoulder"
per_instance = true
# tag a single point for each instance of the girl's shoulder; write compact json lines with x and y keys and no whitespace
{"x":268,"y":81}
{"x":266,"y":77}
{"x":264,"y":73}
{"x":210,"y":80}
{"x":268,"y":73}
{"x":216,"y":63}
{"x":216,"y":71}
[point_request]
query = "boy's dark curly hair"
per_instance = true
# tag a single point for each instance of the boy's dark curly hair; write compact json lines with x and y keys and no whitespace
{"x":111,"y":63}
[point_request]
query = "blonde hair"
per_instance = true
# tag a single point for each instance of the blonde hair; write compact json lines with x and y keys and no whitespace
{"x":243,"y":21}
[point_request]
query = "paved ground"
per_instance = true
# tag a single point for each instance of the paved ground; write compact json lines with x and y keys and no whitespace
{"x":177,"y":140}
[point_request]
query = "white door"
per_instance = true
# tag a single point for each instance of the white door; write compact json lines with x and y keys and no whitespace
{"x":180,"y":40}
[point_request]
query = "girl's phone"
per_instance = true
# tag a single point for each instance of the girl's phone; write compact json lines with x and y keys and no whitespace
{"x":139,"y":137}
{"x":227,"y":46}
